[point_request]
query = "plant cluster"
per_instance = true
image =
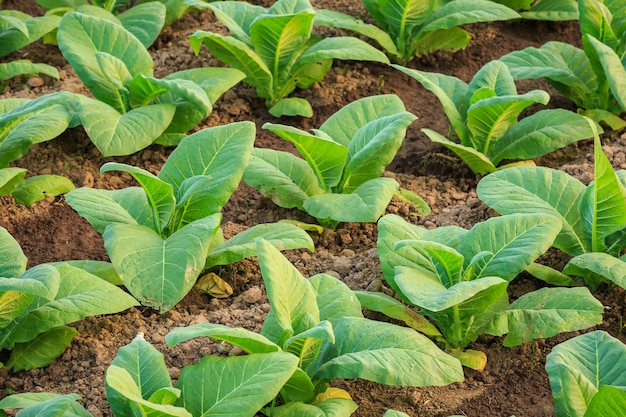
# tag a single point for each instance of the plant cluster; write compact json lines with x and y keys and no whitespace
{"x":450,"y":283}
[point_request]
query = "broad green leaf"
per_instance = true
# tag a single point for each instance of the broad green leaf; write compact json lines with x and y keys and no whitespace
{"x":581,"y":366}
{"x":103,"y":207}
{"x":372,"y":148}
{"x":110,"y":130}
{"x":553,"y":10}
{"x":146,"y":373}
{"x":614,"y":69}
{"x":400,"y":18}
{"x":452,"y":40}
{"x":495,"y":76}
{"x":160,"y":272}
{"x":601,"y":116}
{"x":239,"y":56}
{"x":220,"y":153}
{"x":365,"y":204}
{"x":334,"y":298}
{"x":595,"y":267}
{"x":121,"y":381}
{"x":451,"y":93}
{"x":539,"y":134}
{"x":305,"y":345}
{"x":247,"y":340}
{"x":478,"y":162}
{"x":291,"y":106}
{"x":13,"y":304}
{"x":298,"y":388}
{"x":538,"y":190}
{"x":550,"y":275}
{"x":235,"y":15}
{"x":159,"y":193}
{"x":390,"y":307}
{"x":293,"y":299}
{"x":277,"y":39}
{"x":12,"y":259}
{"x":324,"y":156}
{"x":102,"y":269}
{"x":41,"y":351}
{"x":55,"y":407}
{"x":344,"y":124}
{"x":515,"y":240}
{"x":33,"y":121}
{"x":439,"y":260}
{"x":215,"y":81}
{"x":24,"y":30}
{"x":341,"y":47}
{"x":80,"y":295}
{"x":603,"y":204}
{"x":595,"y":20}
{"x":461,"y":12}
{"x":281,"y":176}
{"x":10,"y":178}
{"x":25,"y":67}
{"x":410,"y":198}
{"x":42,"y":281}
{"x":384,"y":353}
{"x":237,"y":386}
{"x":489,"y":119}
{"x":36,"y":188}
{"x":144,"y":20}
{"x":33,"y":398}
{"x":336,"y":19}
{"x":431,"y":295}
{"x":608,"y":402}
{"x":549,"y":311}
{"x":243,"y":245}
{"x":335,"y":407}
{"x":81,"y":36}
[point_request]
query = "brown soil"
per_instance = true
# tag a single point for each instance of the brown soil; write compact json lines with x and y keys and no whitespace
{"x":514,"y":382}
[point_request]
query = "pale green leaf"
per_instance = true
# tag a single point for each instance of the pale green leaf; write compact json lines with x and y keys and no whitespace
{"x":478,"y":162}
{"x":595,"y":267}
{"x":144,"y":20}
{"x":247,"y":340}
{"x":291,"y":106}
{"x":12,"y":259}
{"x":36,"y":188}
{"x":334,"y":298}
{"x":25,"y":67}
{"x":41,"y":351}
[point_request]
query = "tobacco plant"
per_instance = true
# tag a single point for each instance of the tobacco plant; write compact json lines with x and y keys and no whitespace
{"x":33,"y":189}
{"x":592,"y":77}
{"x":587,"y":375}
{"x":37,"y":304}
{"x":20,"y":67}
{"x":458,"y":279}
{"x":132,"y":109}
{"x":411,"y":29}
{"x":277,"y":50}
{"x":592,"y":217}
{"x":339,"y":179}
{"x":484,"y":115}
{"x":551,"y":10}
{"x":318,"y":322}
{"x":18,"y":29}
{"x":162,"y":235}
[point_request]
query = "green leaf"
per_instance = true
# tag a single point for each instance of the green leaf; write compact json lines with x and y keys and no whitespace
{"x":12,"y":259}
{"x":550,"y":275}
{"x":443,"y":264}
{"x":549,"y":311}
{"x":538,"y":190}
{"x":384,"y":353}
{"x":325,"y":157}
{"x":24,"y":30}
{"x":607,"y":402}
{"x":292,"y":298}
{"x":462,"y":12}
{"x":452,"y":40}
{"x":41,"y":351}
{"x":341,"y":47}
{"x":613,"y":67}
{"x":515,"y":241}
{"x":41,"y":281}
{"x":236,"y":16}
{"x":237,"y":386}
{"x":25,"y":67}
{"x":160,"y":272}
{"x":10,"y":178}
{"x":109,"y":129}
{"x":247,"y":340}
{"x":160,"y":194}
{"x":36,"y":188}
{"x":291,"y":106}
{"x":539,"y":134}
{"x":365,"y":204}
{"x":555,"y":10}
{"x":581,"y":366}
{"x":334,"y":298}
{"x":215,"y":81}
{"x":81,"y":37}
{"x":281,"y":176}
{"x":145,"y":21}
{"x":595,"y":267}
{"x":390,"y":307}
{"x":33,"y":121}
{"x":243,"y":245}
{"x":32,"y":399}
{"x":478,"y":162}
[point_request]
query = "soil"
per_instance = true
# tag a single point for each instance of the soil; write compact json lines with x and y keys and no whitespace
{"x":514,"y":381}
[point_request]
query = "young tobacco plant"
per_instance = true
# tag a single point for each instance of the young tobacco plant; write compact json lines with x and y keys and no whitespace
{"x":318,"y":322}
{"x":132,"y":109}
{"x":37,"y":304}
{"x":339,"y":179}
{"x":484,"y":115}
{"x":277,"y":50}
{"x":416,"y":28}
{"x":587,"y":375}
{"x":458,"y":279}
{"x":592,"y":77}
{"x":162,"y":235}
{"x":18,"y":29}
{"x":592,"y":217}
{"x":33,"y":189}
